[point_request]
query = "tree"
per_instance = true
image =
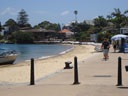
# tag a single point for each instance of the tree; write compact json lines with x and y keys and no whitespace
{"x":58,"y":27}
{"x":0,"y":26}
{"x":75,"y":12}
{"x":22,"y":19}
{"x":12,"y":25}
{"x":22,"y":37}
{"x":119,"y":19}
{"x":83,"y":26}
{"x":100,"y":22}
{"x":49,"y":26}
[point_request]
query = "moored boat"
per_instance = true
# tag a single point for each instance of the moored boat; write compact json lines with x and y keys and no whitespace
{"x":8,"y":57}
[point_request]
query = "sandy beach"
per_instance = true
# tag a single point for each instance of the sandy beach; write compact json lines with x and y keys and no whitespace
{"x":20,"y":73}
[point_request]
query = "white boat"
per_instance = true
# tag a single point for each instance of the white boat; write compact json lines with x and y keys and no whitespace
{"x":8,"y":57}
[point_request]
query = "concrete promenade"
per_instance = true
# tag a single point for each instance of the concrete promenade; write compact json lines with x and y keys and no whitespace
{"x":97,"y":77}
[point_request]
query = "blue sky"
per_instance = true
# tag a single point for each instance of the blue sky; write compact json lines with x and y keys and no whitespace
{"x":59,"y":11}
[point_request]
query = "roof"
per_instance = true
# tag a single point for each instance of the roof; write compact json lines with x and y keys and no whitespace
{"x":38,"y":30}
{"x":65,"y":31}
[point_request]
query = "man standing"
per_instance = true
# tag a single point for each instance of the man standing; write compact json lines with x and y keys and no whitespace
{"x":105,"y":46}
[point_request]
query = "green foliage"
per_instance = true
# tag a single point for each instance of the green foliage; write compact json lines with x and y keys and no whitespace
{"x":2,"y":40}
{"x":100,"y":22}
{"x":1,"y":37}
{"x":12,"y":25}
{"x":0,"y":26}
{"x":75,"y":12}
{"x":119,"y":18}
{"x":22,"y":37}
{"x":49,"y":26}
{"x":84,"y":36}
{"x":104,"y":27}
{"x":102,"y":35}
{"x":23,"y":19}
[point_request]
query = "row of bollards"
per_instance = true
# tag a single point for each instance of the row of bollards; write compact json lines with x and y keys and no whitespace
{"x":76,"y":79}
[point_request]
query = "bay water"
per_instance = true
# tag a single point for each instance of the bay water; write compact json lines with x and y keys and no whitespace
{"x":28,"y":51}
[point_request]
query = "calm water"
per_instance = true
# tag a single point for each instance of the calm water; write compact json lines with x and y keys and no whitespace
{"x":28,"y":51}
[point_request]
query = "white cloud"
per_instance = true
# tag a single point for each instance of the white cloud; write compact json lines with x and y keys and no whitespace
{"x":9,"y":11}
{"x":65,"y":13}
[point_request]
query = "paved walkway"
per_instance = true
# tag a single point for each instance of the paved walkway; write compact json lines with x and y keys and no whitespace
{"x":97,"y":77}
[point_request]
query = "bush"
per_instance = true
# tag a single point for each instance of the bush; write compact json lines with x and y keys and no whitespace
{"x":22,"y":37}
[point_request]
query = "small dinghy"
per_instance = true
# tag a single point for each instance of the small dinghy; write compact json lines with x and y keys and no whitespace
{"x":7,"y":56}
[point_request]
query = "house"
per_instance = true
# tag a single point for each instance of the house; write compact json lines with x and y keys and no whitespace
{"x":66,"y":34}
{"x":124,"y":30}
{"x":4,"y":31}
{"x":41,"y":34}
{"x":93,"y":37}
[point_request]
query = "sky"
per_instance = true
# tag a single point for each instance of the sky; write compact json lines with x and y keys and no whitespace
{"x":59,"y":11}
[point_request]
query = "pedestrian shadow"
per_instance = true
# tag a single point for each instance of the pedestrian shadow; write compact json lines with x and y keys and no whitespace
{"x":96,"y":52}
{"x":123,"y":87}
{"x":102,"y":59}
{"x":116,"y":52}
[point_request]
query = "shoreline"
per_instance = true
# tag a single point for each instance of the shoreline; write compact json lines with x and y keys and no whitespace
{"x":20,"y":73}
{"x":49,"y":56}
{"x":61,"y":53}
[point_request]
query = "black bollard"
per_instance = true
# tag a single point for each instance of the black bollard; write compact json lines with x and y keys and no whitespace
{"x":32,"y":79}
{"x":119,"y":79}
{"x":67,"y":65}
{"x":76,"y":81}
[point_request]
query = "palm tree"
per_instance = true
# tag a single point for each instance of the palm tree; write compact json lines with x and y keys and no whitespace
{"x":0,"y":26}
{"x":119,"y":19}
{"x":100,"y":22}
{"x":126,"y":18}
{"x":75,"y":12}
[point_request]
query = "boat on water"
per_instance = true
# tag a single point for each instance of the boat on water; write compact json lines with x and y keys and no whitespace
{"x":8,"y":56}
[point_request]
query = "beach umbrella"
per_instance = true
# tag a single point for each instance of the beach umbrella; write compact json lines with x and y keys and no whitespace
{"x":118,"y":36}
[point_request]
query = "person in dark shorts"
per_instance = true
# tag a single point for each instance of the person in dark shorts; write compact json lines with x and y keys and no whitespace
{"x":114,"y":45}
{"x":105,"y":46}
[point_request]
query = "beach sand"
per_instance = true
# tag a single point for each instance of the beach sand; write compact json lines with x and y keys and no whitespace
{"x":20,"y":73}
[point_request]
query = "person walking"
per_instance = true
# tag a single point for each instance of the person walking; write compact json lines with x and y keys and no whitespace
{"x":114,"y":45}
{"x":105,"y":46}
